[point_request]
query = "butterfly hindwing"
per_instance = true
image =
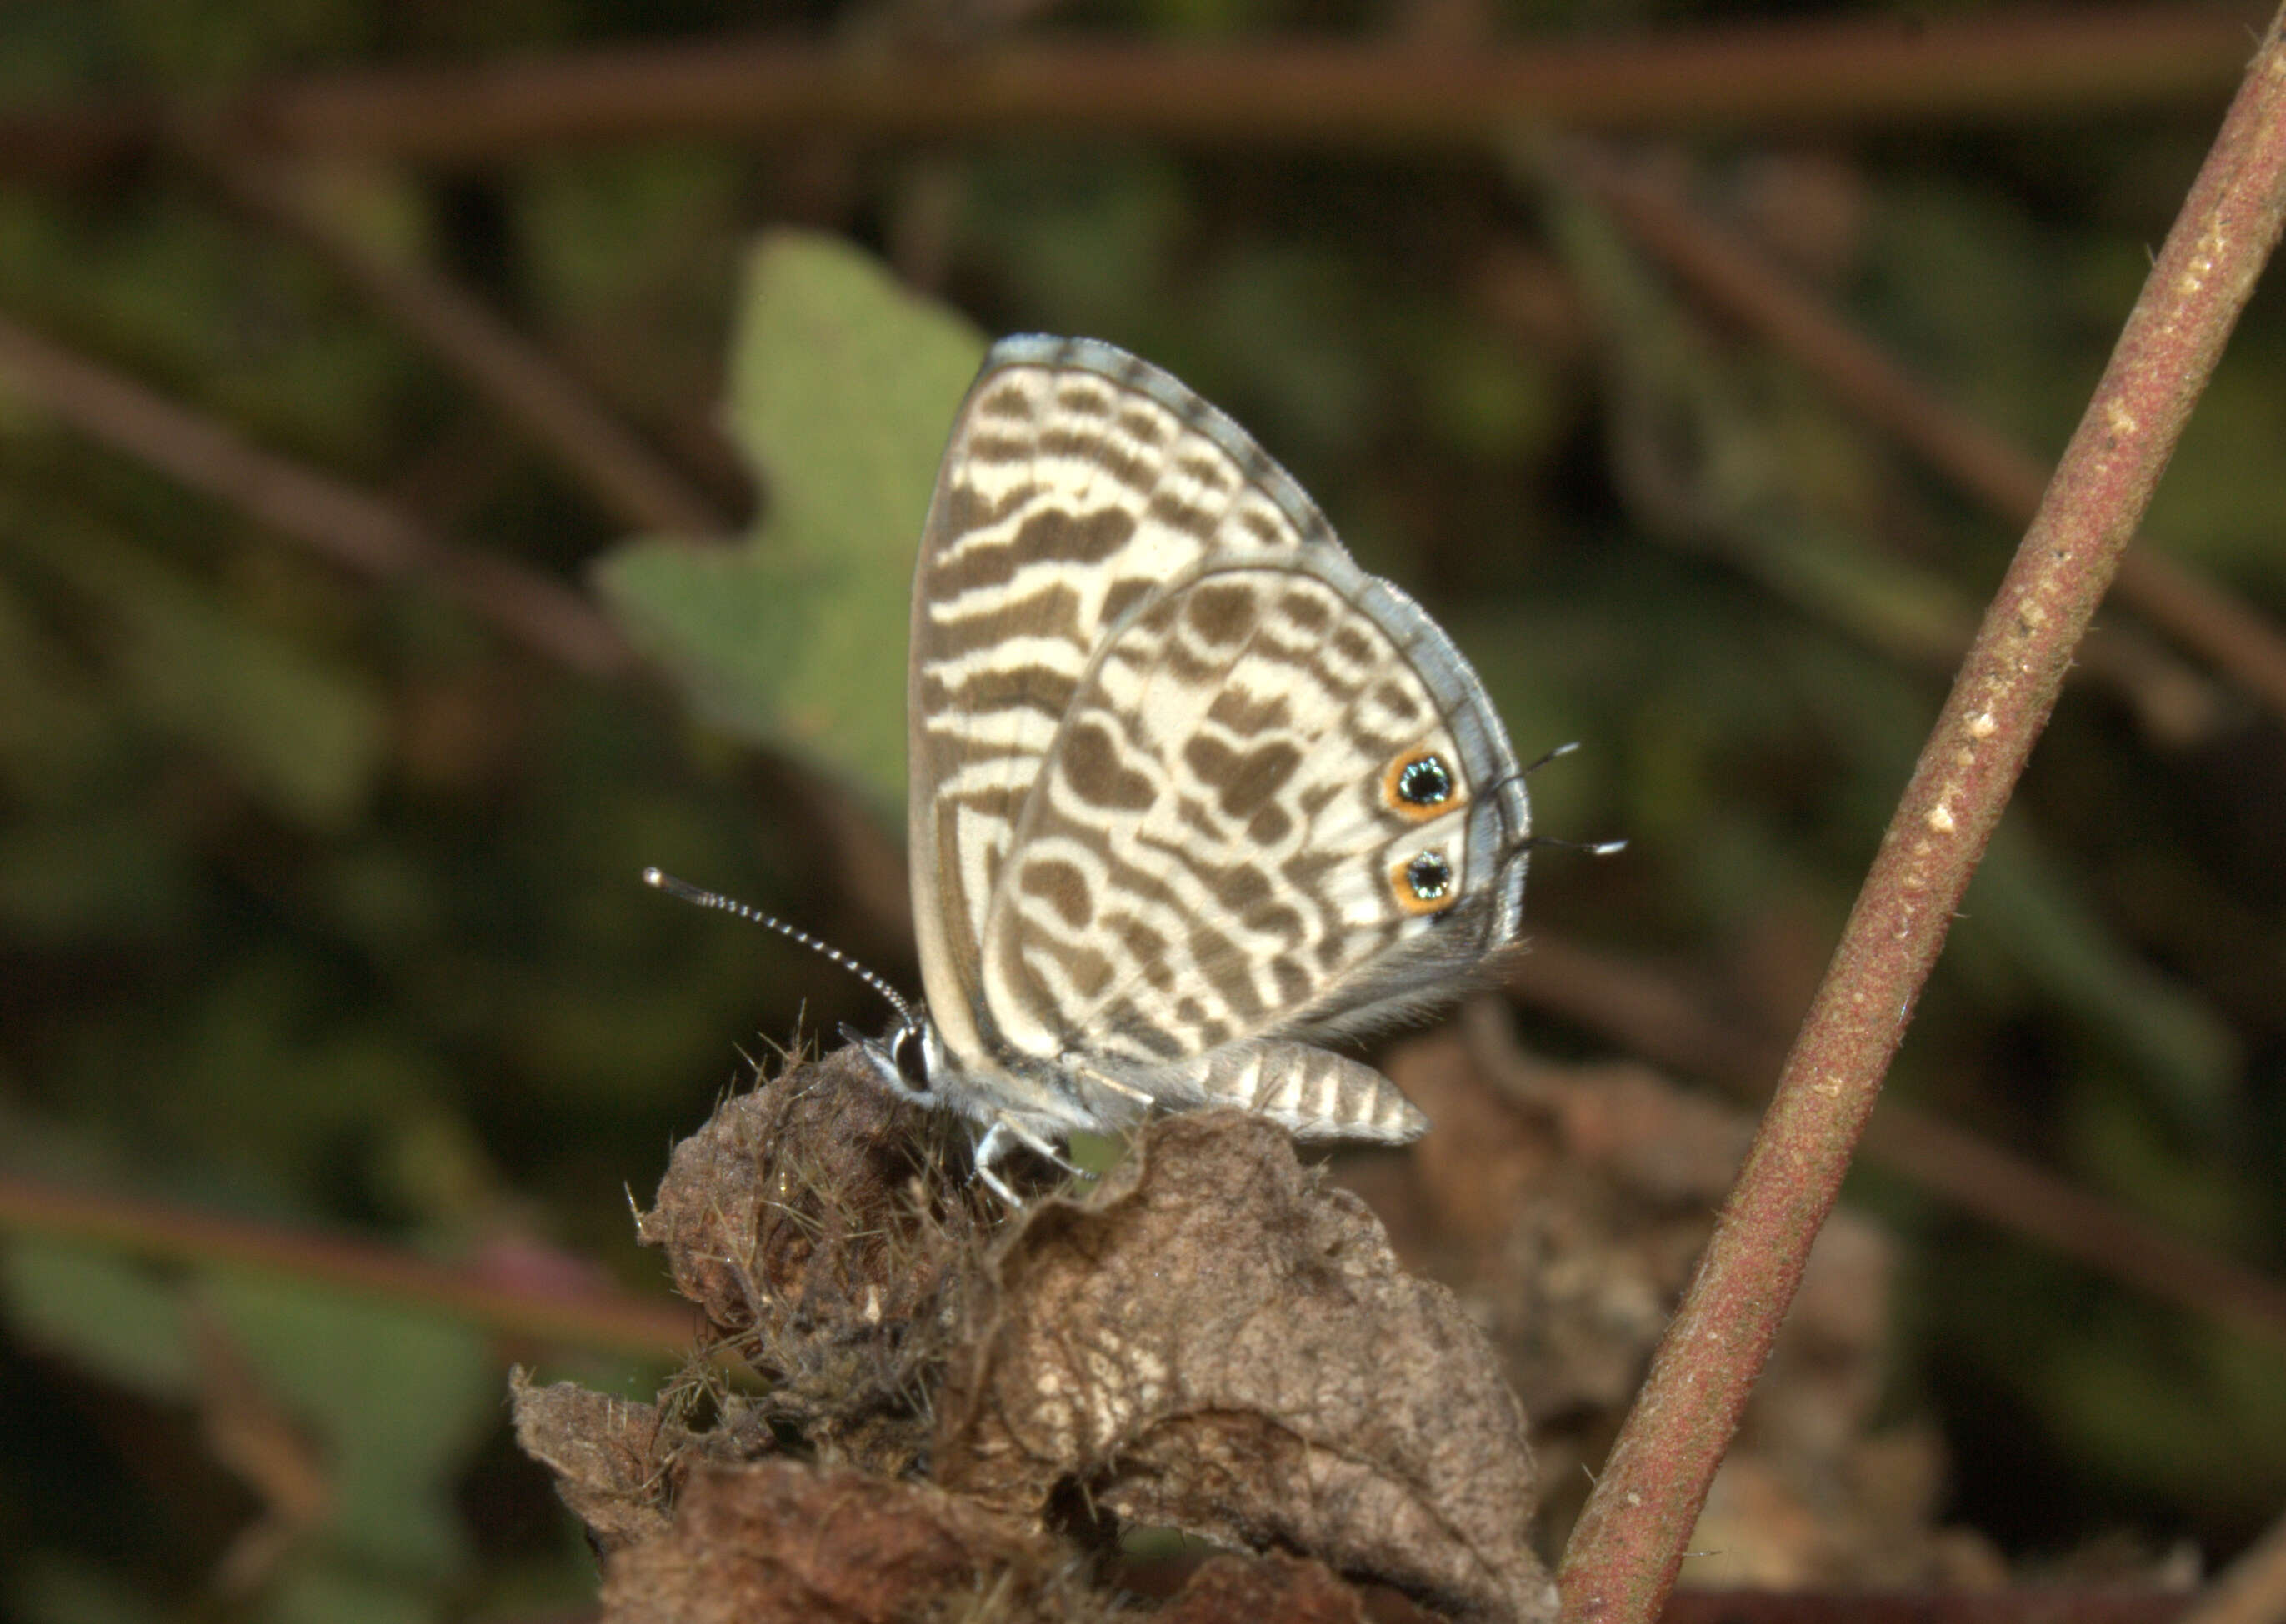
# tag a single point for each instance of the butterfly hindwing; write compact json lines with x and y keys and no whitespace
{"x":1214,"y":850}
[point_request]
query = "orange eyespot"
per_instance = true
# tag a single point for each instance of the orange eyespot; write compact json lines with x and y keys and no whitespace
{"x":1419,"y":784}
{"x":1424,"y":883}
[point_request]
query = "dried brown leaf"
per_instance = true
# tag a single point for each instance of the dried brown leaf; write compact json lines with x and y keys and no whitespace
{"x":782,"y":1543}
{"x":1566,"y":1203}
{"x":811,"y":1194}
{"x":813,"y":1222}
{"x":1217,"y":1344}
{"x":1275,"y":1589}
{"x":609,"y":1456}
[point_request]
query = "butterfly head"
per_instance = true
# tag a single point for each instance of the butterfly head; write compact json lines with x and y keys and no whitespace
{"x":909,"y":1059}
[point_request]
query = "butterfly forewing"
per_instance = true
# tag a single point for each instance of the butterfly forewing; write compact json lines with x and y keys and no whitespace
{"x":1076,"y":481}
{"x":1214,"y":848}
{"x":1187,"y":785}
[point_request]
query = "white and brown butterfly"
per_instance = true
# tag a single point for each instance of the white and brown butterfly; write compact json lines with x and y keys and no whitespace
{"x":1193,"y":795}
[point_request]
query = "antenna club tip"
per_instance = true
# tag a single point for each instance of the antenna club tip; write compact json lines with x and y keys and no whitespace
{"x":1609,"y":849}
{"x":654,"y":878}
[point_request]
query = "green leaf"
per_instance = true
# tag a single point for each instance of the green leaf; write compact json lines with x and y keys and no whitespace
{"x":843,"y":388}
{"x":114,"y":1319}
{"x":399,"y":1399}
{"x":331,"y":1593}
{"x":724,"y":619}
{"x":45,"y":1590}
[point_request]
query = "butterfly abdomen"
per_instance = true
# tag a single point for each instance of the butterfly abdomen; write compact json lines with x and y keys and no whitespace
{"x":1312,"y":1092}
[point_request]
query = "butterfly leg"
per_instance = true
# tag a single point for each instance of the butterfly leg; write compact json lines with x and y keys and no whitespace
{"x":990,"y":1149}
{"x":998,"y":1142}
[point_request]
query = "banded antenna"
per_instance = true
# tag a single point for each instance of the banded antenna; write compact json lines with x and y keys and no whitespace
{"x":659,"y":881}
{"x":1594,"y":848}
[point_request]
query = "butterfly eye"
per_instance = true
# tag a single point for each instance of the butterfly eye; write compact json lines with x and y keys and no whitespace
{"x":911,"y":1055}
{"x":1423,"y":884}
{"x":1418,"y":784}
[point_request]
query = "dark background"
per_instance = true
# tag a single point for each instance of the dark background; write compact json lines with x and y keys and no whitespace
{"x":319,"y":905}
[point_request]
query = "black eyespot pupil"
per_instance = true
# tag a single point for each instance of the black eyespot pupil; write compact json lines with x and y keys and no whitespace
{"x":912,"y":1058}
{"x":1424,"y":783}
{"x":1430,"y":876}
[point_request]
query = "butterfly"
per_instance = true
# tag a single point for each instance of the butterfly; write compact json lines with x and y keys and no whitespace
{"x":1192,"y":794}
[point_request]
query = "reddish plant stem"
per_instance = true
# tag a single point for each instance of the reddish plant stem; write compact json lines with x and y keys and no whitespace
{"x":1630,"y":1538}
{"x":2003,"y":476}
{"x":1855,"y":74}
{"x":580,"y":1318}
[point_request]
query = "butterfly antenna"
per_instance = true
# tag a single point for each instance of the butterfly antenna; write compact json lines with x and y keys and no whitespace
{"x":1594,"y":848}
{"x":1559,"y":753}
{"x":658,"y":881}
{"x":1518,"y":777}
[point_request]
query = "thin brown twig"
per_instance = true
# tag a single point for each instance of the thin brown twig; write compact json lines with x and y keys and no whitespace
{"x":159,"y":1232}
{"x":338,"y":521}
{"x":1655,"y":1016}
{"x":1630,"y":1538}
{"x":1731,"y":276}
{"x":518,"y":378}
{"x":2206,"y":616}
{"x":1856,"y":74}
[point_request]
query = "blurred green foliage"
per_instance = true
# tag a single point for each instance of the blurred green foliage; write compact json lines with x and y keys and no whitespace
{"x":319,"y":900}
{"x":842,"y":391}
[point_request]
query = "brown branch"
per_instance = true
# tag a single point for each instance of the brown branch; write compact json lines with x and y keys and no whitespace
{"x":1629,"y":1541}
{"x":1850,"y":75}
{"x":340,"y":522}
{"x":587,"y":1318}
{"x":1853,"y":74}
{"x":519,"y":378}
{"x":1730,"y":275}
{"x":1653,"y":1016}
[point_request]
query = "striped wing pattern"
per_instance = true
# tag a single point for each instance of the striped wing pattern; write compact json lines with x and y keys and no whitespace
{"x":1170,"y":814}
